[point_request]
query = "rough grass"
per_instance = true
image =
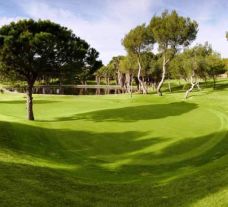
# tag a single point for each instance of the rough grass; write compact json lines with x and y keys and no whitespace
{"x":108,"y":151}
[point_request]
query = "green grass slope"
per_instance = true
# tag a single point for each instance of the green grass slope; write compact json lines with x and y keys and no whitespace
{"x":108,"y":151}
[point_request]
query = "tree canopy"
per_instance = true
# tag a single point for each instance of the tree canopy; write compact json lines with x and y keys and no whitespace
{"x":31,"y":49}
{"x":170,"y":32}
{"x":136,"y":42}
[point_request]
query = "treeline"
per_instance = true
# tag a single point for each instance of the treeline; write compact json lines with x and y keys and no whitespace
{"x":32,"y":51}
{"x":172,"y":35}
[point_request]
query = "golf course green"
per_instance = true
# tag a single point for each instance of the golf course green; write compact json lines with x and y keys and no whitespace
{"x":113,"y":150}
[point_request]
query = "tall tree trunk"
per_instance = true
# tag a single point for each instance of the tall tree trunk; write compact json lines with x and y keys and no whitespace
{"x":98,"y":91}
{"x":159,"y":92}
{"x":107,"y":81}
{"x":198,"y":86}
{"x":30,"y":114}
{"x":98,"y":80}
{"x":142,"y":86}
{"x":128,"y":82}
{"x":119,"y":78}
{"x":193,"y":84}
{"x":116,"y":79}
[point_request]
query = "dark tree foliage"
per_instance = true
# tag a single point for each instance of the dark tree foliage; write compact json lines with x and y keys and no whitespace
{"x":90,"y":67}
{"x":30,"y":50}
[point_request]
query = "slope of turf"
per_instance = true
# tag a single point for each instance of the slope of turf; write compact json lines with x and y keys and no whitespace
{"x":112,"y":150}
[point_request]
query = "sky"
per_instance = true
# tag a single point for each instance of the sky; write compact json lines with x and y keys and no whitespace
{"x":103,"y":23}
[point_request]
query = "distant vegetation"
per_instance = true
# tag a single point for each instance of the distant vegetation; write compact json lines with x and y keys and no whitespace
{"x":44,"y":51}
{"x":172,"y":34}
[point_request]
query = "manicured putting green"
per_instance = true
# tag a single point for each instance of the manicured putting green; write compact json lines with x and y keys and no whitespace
{"x":114,"y":150}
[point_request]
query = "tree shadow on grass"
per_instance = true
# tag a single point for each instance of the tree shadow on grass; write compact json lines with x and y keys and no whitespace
{"x":190,"y":152}
{"x":68,"y":146}
{"x":135,"y":113}
{"x":157,"y":184}
{"x":24,"y":101}
{"x":204,"y":160}
{"x":26,"y":185}
{"x":220,"y":85}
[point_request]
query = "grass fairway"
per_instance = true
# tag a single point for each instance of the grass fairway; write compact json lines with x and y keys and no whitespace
{"x":108,"y":151}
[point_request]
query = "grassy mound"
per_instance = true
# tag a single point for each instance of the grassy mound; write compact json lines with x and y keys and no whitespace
{"x":115,"y":151}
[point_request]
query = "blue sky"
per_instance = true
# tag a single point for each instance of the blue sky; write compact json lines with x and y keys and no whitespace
{"x":103,"y":23}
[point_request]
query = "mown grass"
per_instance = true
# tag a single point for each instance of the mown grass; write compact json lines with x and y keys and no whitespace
{"x":107,"y":151}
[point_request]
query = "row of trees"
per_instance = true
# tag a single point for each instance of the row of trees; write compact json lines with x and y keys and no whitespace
{"x":191,"y":65}
{"x":170,"y":31}
{"x":197,"y":63}
{"x":42,"y":50}
{"x":172,"y":34}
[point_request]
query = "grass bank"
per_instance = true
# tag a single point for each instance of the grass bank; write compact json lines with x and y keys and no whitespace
{"x":115,"y":150}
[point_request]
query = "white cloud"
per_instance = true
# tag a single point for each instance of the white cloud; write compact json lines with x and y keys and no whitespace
{"x":104,"y":34}
{"x":215,"y":35}
{"x":7,"y":20}
{"x":105,"y":31}
{"x":212,"y":25}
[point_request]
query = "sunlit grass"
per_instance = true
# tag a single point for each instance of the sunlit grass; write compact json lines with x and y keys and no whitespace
{"x":115,"y":150}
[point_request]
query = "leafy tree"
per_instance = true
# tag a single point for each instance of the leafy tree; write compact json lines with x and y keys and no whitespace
{"x":99,"y":74}
{"x":176,"y":67}
{"x":114,"y":67}
{"x":107,"y":72}
{"x":136,"y":42}
{"x":191,"y":68}
{"x":32,"y":49}
{"x":225,"y":61}
{"x":192,"y":65}
{"x":208,"y":63}
{"x":128,"y":67}
{"x":103,"y":72}
{"x":91,"y":65}
{"x":128,"y":64}
{"x":155,"y":70}
{"x":215,"y":66}
{"x":171,"y":31}
{"x":147,"y":59}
